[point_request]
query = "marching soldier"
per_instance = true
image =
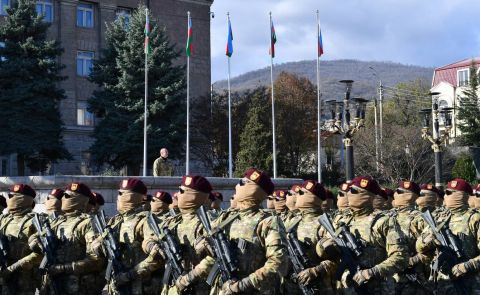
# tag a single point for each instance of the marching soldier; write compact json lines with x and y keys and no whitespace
{"x":95,"y":204}
{"x":174,"y":205}
{"x":53,"y":203}
{"x":189,"y":231}
{"x":428,"y":198}
{"x":411,"y":225}
{"x":280,"y":205}
{"x":342,"y":203}
{"x":327,"y":204}
{"x":292,"y":198}
{"x":305,"y":226}
{"x":379,"y":201}
{"x":270,"y":205}
{"x":19,"y":274}
{"x":216,"y":199}
{"x":74,"y":234}
{"x":463,"y":223}
{"x":129,"y":227}
{"x":160,"y":204}
{"x":384,"y":251}
{"x":262,"y":255}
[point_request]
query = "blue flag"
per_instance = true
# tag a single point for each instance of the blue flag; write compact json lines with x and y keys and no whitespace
{"x":229,"y":50}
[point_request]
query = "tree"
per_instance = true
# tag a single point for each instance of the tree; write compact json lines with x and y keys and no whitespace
{"x":464,"y":168}
{"x":31,"y":124}
{"x":296,"y":117}
{"x":468,"y":110}
{"x":256,"y":137}
{"x":120,"y":101}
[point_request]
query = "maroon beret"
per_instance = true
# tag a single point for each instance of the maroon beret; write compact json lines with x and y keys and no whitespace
{"x":261,"y":179}
{"x":135,"y":185}
{"x":98,"y":199}
{"x":410,"y":186}
{"x":430,"y":187}
{"x":315,"y":188}
{"x":23,"y":189}
{"x":280,"y":194}
{"x":461,"y":185}
{"x":3,"y":202}
{"x":198,"y":183}
{"x":57,"y":193}
{"x":367,"y":183}
{"x":477,"y":189}
{"x":345,"y":187}
{"x":164,"y":197}
{"x":79,"y":188}
{"x":294,"y":189}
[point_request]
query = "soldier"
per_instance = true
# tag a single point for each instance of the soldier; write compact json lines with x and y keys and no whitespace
{"x":263,"y":258}
{"x":129,"y":227}
{"x":19,"y":275}
{"x":160,"y":203}
{"x":233,"y":203}
{"x":280,"y":205}
{"x":95,"y":204}
{"x":380,"y":200}
{"x":292,"y":198}
{"x":319,"y":275}
{"x":270,"y":205}
{"x":477,"y":195}
{"x":464,"y":224}
{"x":342,"y":203}
{"x":53,"y":203}
{"x":216,"y":199}
{"x":428,"y":198}
{"x":384,"y":250}
{"x":411,"y":224}
{"x":327,"y":204}
{"x":162,"y":166}
{"x":174,"y":205}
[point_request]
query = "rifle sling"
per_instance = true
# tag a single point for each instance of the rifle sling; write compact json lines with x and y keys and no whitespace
{"x":293,"y":225}
{"x":225,"y":223}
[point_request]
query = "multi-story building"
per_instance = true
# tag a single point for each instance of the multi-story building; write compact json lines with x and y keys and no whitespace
{"x":80,"y":26}
{"x":450,"y":81}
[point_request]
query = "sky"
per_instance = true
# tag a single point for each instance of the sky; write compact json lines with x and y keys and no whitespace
{"x":416,"y":32}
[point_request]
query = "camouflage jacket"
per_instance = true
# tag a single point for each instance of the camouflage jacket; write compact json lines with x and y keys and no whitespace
{"x":15,"y":230}
{"x":262,"y":255}
{"x":162,"y":167}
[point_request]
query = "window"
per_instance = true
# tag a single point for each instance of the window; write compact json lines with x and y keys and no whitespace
{"x":4,"y":4}
{"x":45,"y":8}
{"x":84,"y":63}
{"x":125,"y":13}
{"x":84,"y":117}
{"x":85,"y":15}
{"x":463,"y":77}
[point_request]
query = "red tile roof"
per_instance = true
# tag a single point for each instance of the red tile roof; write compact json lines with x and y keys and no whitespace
{"x":448,"y":73}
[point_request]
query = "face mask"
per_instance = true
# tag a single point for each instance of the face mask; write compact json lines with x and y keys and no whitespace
{"x":291,"y":202}
{"x":456,"y":200}
{"x":280,"y":205}
{"x":191,"y":199}
{"x":471,"y":201}
{"x":342,"y":202}
{"x":404,"y":199}
{"x":307,"y":200}
{"x":428,"y":199}
{"x":249,"y":195}
{"x":378,"y":203}
{"x":72,"y":202}
{"x":19,"y":203}
{"x":53,"y":204}
{"x":360,"y":200}
{"x":128,"y":201}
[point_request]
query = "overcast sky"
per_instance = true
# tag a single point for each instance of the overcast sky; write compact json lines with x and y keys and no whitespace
{"x":419,"y":32}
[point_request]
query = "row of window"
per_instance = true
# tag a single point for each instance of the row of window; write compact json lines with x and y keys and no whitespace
{"x":85,"y":12}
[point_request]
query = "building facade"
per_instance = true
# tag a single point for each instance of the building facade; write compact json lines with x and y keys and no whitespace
{"x":80,"y":26}
{"x":450,"y":81}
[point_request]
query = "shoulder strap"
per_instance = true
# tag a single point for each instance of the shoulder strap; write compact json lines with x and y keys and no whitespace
{"x":293,"y":225}
{"x":226,"y":222}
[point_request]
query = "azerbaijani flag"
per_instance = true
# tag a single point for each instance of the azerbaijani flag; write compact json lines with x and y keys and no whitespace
{"x":273,"y":39}
{"x":189,"y":48}
{"x":229,"y":50}
{"x":320,"y":42}
{"x":146,"y":44}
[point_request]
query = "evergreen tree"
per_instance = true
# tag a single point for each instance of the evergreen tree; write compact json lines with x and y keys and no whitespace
{"x":31,"y":125}
{"x":469,"y":120}
{"x":256,"y":138}
{"x":120,"y":72}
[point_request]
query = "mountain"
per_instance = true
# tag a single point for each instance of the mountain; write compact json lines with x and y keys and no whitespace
{"x":332,"y":71}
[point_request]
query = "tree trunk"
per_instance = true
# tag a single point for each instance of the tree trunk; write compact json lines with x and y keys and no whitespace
{"x":21,"y":164}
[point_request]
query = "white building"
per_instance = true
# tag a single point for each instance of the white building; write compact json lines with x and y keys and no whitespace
{"x":450,"y":80}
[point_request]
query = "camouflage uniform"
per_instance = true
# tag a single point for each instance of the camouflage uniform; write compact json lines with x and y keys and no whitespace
{"x":189,"y":232}
{"x":264,"y":257}
{"x":162,"y":167}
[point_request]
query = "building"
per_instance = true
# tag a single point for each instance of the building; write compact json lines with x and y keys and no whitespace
{"x":80,"y":27}
{"x":450,"y":81}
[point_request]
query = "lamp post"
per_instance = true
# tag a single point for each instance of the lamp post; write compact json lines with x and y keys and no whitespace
{"x":340,"y":122}
{"x":438,"y":137}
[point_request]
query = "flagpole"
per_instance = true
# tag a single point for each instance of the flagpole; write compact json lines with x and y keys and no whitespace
{"x":319,"y":112}
{"x":187,"y":164}
{"x":273,"y":103}
{"x":146,"y":101}
{"x":230,"y":165}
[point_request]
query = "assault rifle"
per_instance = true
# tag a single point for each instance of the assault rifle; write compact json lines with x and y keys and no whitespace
{"x":298,"y":257}
{"x":350,"y":250}
{"x":225,"y":264}
{"x":449,"y":253}
{"x":48,"y":243}
{"x":114,"y":266}
{"x":171,"y":249}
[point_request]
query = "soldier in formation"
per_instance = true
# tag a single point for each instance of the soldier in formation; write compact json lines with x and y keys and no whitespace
{"x":427,"y":243}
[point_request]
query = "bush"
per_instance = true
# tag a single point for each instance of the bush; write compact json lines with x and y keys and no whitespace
{"x":464,"y":168}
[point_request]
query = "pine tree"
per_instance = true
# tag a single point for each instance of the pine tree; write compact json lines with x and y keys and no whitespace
{"x":469,"y":120}
{"x":256,"y":138}
{"x":120,"y":102}
{"x":31,"y":125}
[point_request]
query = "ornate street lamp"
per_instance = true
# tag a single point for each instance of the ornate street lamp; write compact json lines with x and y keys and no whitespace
{"x":437,"y":137}
{"x":341,"y":122}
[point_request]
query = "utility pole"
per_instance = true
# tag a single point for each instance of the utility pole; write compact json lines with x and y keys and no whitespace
{"x":377,"y":160}
{"x":380,"y":92}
